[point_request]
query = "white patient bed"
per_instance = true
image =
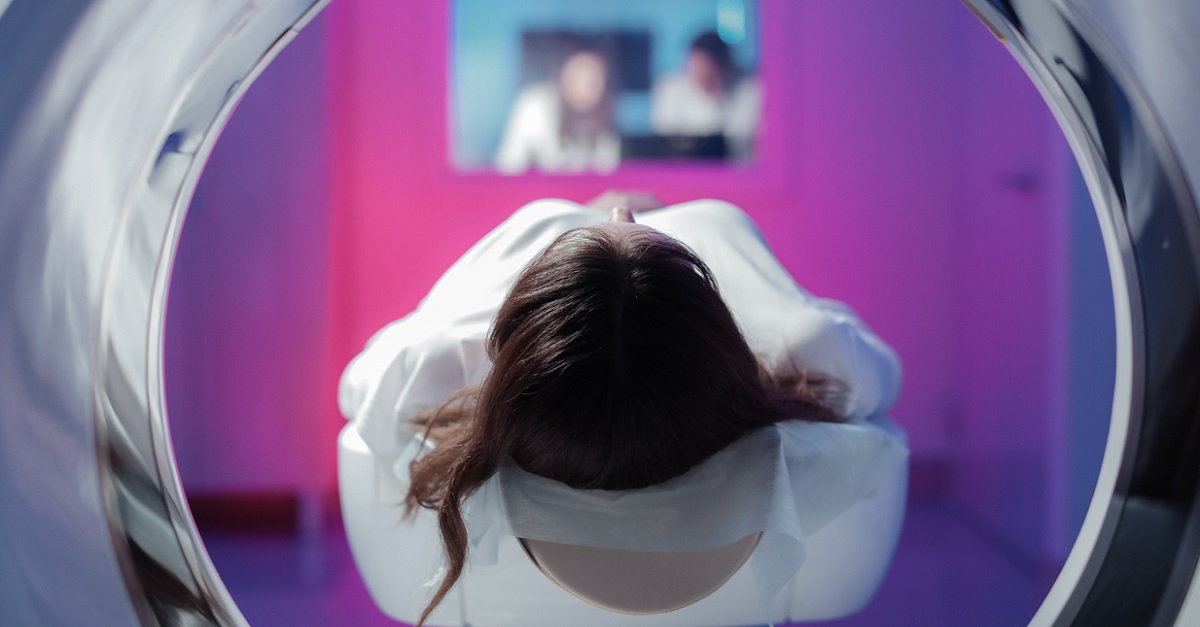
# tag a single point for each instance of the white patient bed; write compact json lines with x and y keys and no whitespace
{"x":399,"y":560}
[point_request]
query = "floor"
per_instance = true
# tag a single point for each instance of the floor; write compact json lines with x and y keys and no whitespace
{"x":946,"y":573}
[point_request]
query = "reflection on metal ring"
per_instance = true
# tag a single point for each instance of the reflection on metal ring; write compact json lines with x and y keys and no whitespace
{"x":1134,"y":559}
{"x":93,"y":185}
{"x":88,"y":240}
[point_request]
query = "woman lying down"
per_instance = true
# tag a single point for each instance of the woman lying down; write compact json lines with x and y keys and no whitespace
{"x":660,"y":354}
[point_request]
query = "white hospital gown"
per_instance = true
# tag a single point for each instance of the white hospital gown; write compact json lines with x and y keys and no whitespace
{"x":786,"y":480}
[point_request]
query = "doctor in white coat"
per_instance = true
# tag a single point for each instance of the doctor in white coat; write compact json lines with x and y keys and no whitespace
{"x":710,"y":97}
{"x":563,"y":126}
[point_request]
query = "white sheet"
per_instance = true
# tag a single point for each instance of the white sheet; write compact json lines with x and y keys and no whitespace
{"x":786,"y":480}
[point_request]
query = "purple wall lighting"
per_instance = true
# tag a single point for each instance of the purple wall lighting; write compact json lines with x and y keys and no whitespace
{"x":907,"y":167}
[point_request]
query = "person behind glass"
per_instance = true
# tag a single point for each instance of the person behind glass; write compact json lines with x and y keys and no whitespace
{"x":565,"y":125}
{"x":616,"y":365}
{"x":710,"y":97}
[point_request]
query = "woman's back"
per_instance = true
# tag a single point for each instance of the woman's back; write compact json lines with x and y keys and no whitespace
{"x":612,"y":363}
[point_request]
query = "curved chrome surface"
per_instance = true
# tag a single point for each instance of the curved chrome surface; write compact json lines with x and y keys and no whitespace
{"x":1110,"y":70}
{"x":108,"y":111}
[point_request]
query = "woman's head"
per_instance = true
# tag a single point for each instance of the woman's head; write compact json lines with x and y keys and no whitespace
{"x":583,"y":79}
{"x":585,"y":99}
{"x":615,"y":365}
{"x":710,"y":62}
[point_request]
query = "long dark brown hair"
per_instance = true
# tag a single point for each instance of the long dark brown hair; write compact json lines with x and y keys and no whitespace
{"x":615,"y":365}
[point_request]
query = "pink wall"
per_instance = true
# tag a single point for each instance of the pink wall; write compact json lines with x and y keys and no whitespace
{"x":908,"y":168}
{"x":854,"y":191}
{"x":245,"y":349}
{"x":1009,"y":422}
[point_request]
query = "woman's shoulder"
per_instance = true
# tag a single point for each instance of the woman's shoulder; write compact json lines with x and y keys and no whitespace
{"x":539,"y":211}
{"x":704,"y":218}
{"x":533,"y":227}
{"x":541,"y":95}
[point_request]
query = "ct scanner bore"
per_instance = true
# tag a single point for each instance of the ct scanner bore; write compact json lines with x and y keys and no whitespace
{"x":108,"y":110}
